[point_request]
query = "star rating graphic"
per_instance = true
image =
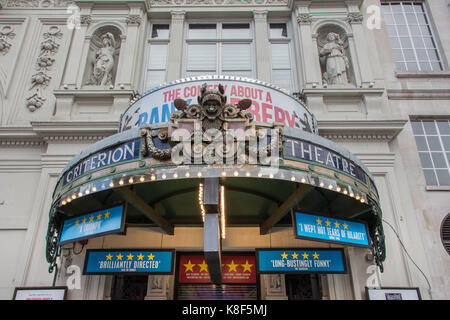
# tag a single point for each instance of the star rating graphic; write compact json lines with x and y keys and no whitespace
{"x":92,"y":218}
{"x":231,"y":267}
{"x":130,"y":257}
{"x":294,"y":255}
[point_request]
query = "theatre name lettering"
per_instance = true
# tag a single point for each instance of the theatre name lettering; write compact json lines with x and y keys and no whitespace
{"x":120,"y":153}
{"x":302,"y":150}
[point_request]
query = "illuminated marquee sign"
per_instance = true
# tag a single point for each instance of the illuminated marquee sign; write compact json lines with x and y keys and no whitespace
{"x":94,"y":224}
{"x":136,"y":261}
{"x":235,"y":269}
{"x":307,"y":151}
{"x":268,"y":103}
{"x":300,"y":260}
{"x":120,"y":153}
{"x":313,"y":227}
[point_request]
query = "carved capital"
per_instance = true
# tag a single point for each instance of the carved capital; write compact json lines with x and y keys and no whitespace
{"x":260,"y":14}
{"x":304,"y":18}
{"x":134,"y":19}
{"x":85,"y":19}
{"x":355,"y":17}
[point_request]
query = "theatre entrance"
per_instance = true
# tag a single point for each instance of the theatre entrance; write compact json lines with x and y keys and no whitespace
{"x":306,"y":286}
{"x":129,"y":287}
{"x":239,"y":278}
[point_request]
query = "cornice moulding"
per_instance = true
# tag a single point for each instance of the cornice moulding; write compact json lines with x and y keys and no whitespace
{"x":360,"y":129}
{"x":42,"y":132}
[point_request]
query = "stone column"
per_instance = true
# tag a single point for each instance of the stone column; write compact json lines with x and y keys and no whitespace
{"x":175,"y":58}
{"x":157,"y":287}
{"x":308,"y":46}
{"x":362,"y":58}
{"x":129,"y":52}
{"x":263,"y":53}
{"x":275,"y":287}
{"x":75,"y":63}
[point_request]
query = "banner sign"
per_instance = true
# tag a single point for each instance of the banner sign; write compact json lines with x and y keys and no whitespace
{"x":314,"y":227}
{"x":269,"y":104}
{"x":126,"y":151}
{"x":40,"y":293}
{"x":300,"y":260}
{"x":306,"y":151}
{"x":136,"y":261}
{"x":235,"y":269}
{"x":93,"y":224}
{"x":393,"y":293}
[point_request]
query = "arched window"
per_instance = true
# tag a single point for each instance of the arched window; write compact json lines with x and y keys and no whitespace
{"x":445,"y":233}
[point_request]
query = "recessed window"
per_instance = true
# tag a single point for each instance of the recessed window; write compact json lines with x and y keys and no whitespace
{"x":160,"y":31}
{"x":220,"y":48}
{"x":280,"y":48}
{"x":433,"y":143}
{"x":411,"y":37}
{"x":157,"y":53}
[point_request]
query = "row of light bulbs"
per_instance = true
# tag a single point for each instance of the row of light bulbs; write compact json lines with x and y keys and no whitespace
{"x":124,"y":180}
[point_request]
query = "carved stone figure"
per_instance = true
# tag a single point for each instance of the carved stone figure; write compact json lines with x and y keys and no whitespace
{"x":336,"y":61}
{"x":102,"y":72}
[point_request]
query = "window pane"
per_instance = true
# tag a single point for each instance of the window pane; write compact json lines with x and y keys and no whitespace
{"x":157,"y":57}
{"x":425,"y":66}
{"x":278,"y":30}
{"x":430,"y":177}
{"x":422,"y":54}
{"x":425,"y":159}
{"x":443,"y":177}
{"x":280,"y":55}
{"x":201,"y":57}
{"x":421,"y":143}
{"x":282,"y":78}
{"x":160,"y":31}
{"x":400,"y":66}
{"x":417,"y":127}
{"x":412,"y":66}
{"x":406,"y":42}
{"x":433,"y":143}
{"x":430,"y":127}
{"x":439,"y":160}
{"x":199,"y":73}
{"x":238,"y":73}
{"x":236,"y":57}
{"x":399,"y":18}
{"x":418,"y":42}
{"x":236,"y":31}
{"x":446,"y":142}
{"x":409,"y":55}
{"x":403,"y":31}
{"x":444,"y":127}
{"x":155,"y":78}
{"x":202,"y":31}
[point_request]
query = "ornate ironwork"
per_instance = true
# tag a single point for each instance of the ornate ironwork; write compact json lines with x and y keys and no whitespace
{"x":210,"y":112}
{"x":52,"y":247}
{"x":377,"y":237}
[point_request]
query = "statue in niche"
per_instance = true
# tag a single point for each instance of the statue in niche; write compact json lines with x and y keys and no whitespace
{"x":336,"y":62}
{"x":103,"y":64}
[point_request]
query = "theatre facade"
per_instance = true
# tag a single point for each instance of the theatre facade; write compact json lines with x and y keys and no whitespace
{"x":240,"y":150}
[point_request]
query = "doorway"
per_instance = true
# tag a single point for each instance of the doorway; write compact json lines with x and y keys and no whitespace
{"x":303,"y":286}
{"x":126,"y":287}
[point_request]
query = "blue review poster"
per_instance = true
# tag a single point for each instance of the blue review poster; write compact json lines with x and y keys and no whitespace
{"x":300,"y":260}
{"x":329,"y":229}
{"x":104,"y":261}
{"x":93,"y":224}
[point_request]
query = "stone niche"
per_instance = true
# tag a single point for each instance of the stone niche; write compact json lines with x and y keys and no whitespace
{"x":103,"y":57}
{"x":334,"y":56}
